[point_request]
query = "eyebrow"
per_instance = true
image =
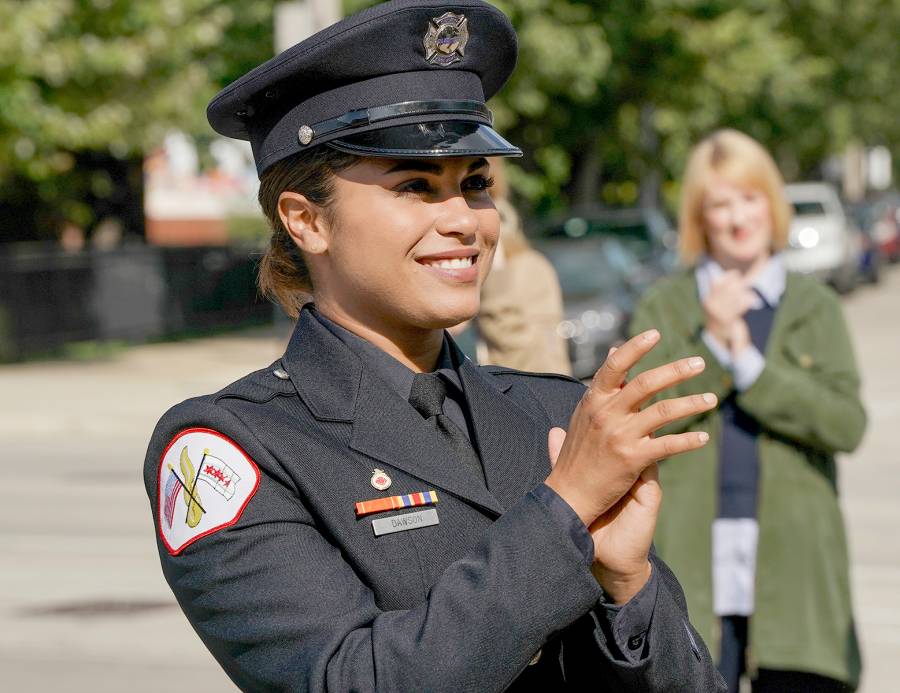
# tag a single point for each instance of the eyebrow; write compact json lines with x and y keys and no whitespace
{"x":424,"y":166}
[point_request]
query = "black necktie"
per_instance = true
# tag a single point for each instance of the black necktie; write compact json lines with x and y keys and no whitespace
{"x":427,"y":397}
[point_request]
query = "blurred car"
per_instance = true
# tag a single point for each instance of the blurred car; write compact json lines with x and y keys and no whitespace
{"x":880,"y":220}
{"x":646,"y":232}
{"x":601,"y":279}
{"x":871,"y":258}
{"x":822,"y":240}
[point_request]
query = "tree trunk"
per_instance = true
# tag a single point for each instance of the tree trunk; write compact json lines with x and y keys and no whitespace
{"x":586,"y":182}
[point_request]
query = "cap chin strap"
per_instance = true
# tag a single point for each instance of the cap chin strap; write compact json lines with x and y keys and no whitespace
{"x":366,"y":116}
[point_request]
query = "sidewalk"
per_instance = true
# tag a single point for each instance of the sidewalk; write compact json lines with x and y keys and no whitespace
{"x":83,"y":605}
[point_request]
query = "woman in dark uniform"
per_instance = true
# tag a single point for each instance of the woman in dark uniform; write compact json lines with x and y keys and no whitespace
{"x":372,"y":511}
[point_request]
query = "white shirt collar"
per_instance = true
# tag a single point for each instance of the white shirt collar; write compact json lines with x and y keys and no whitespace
{"x":770,"y":282}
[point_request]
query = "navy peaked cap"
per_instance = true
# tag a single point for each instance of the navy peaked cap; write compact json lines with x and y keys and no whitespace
{"x":407,"y":78}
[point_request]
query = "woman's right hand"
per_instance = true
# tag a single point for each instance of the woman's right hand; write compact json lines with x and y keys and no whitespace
{"x":728,"y":299}
{"x":610,"y":442}
{"x":604,"y":467}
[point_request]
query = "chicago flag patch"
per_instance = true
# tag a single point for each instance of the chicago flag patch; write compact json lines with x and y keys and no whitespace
{"x":204,"y":483}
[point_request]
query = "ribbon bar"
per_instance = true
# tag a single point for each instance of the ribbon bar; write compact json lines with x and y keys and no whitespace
{"x":409,"y":500}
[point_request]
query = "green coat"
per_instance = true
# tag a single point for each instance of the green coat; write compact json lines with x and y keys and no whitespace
{"x":807,"y":402}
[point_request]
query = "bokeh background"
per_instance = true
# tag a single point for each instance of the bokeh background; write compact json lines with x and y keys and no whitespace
{"x":129,"y":236}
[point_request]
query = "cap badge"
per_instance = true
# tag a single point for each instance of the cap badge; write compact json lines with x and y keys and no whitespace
{"x":445,"y":42}
{"x":380,"y":480}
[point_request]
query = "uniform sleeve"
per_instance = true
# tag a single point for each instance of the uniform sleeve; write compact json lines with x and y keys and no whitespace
{"x":646,"y":645}
{"x":815,"y":401}
{"x":666,"y":655}
{"x":280,"y":608}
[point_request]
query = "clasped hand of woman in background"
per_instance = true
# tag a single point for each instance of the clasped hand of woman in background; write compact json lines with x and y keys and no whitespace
{"x":604,"y":466}
{"x":730,"y":297}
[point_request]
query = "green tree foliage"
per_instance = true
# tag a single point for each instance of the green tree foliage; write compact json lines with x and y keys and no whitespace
{"x":110,"y":78}
{"x":608,"y":94}
{"x":803,"y":76}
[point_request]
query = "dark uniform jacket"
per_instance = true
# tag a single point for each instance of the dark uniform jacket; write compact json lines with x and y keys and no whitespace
{"x":299,"y":594}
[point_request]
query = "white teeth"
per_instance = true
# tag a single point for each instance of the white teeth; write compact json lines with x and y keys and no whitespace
{"x":455,"y":263}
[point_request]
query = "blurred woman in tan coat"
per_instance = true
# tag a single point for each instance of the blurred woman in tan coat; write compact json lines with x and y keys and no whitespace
{"x":521,"y":302}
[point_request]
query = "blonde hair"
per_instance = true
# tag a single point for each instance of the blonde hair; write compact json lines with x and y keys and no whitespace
{"x":740,"y":160}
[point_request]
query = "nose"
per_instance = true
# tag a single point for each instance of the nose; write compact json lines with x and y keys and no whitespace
{"x":456,"y":218}
{"x":738,"y":214}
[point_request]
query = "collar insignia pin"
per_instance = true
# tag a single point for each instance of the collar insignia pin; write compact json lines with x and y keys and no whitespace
{"x":380,"y":480}
{"x":445,"y":42}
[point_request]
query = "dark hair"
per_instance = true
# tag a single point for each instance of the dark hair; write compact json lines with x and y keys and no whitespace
{"x":283,"y":274}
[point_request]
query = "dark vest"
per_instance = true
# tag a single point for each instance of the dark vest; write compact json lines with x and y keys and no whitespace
{"x":738,"y":454}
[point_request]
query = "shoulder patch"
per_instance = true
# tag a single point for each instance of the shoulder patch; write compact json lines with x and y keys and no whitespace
{"x":204,"y":482}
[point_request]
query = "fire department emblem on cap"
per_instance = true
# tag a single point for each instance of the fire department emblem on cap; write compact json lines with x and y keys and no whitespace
{"x":380,"y":480}
{"x":445,"y":42}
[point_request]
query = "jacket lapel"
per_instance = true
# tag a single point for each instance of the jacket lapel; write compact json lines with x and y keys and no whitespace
{"x":794,"y":306}
{"x":387,"y":428}
{"x":511,"y":441}
{"x":336,"y":386}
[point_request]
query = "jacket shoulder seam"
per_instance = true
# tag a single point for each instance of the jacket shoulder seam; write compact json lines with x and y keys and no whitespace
{"x":501,"y":371}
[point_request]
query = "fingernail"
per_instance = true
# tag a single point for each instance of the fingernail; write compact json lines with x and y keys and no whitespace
{"x":696,"y":363}
{"x":651,"y":335}
{"x":709,"y":398}
{"x":704,"y":437}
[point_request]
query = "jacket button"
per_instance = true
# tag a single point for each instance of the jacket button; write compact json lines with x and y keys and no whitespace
{"x":635,"y":642}
{"x":535,"y":659}
{"x":281,"y":374}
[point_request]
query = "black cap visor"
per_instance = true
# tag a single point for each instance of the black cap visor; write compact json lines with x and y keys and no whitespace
{"x":428,"y":140}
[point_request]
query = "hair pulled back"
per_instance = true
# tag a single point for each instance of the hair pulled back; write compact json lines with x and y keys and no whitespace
{"x":283,"y":274}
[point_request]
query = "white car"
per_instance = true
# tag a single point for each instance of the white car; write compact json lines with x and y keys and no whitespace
{"x":822,"y":239}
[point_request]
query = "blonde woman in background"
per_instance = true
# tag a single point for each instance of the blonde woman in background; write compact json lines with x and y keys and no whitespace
{"x":751,"y":524}
{"x":521,"y":301}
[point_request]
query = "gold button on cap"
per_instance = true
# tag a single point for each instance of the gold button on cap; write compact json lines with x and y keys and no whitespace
{"x":536,"y":658}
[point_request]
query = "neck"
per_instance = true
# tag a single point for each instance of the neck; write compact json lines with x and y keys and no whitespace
{"x":416,"y":348}
{"x":748,"y":269}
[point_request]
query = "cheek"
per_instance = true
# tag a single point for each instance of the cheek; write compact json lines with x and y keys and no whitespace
{"x":374,"y":234}
{"x":716,"y":221}
{"x":488,"y":223}
{"x":764,"y":221}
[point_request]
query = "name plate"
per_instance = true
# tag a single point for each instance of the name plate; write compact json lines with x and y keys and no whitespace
{"x":401,"y":523}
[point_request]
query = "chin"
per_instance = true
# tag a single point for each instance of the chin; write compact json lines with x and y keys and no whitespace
{"x":448,"y":315}
{"x":742,"y":256}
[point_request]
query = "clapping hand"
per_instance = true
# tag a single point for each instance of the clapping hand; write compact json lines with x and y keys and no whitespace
{"x":604,"y":467}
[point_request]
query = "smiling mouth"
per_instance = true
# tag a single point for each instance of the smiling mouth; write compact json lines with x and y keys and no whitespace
{"x":450,"y":263}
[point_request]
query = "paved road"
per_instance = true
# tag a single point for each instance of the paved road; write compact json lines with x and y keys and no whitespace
{"x":83,"y":606}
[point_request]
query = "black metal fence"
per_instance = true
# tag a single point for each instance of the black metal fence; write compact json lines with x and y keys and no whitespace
{"x":49,"y":298}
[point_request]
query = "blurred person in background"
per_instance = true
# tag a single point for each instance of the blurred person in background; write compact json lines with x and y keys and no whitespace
{"x":751,"y":524}
{"x":521,"y":300}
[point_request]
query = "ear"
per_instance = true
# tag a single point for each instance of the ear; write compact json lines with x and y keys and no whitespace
{"x":304,"y":222}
